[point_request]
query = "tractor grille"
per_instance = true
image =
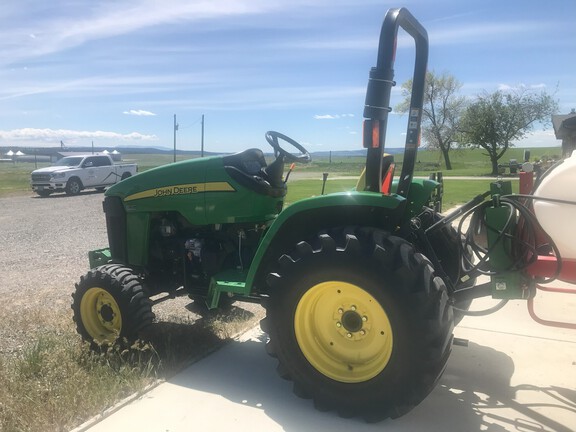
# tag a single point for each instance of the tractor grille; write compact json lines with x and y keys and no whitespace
{"x":40,"y":177}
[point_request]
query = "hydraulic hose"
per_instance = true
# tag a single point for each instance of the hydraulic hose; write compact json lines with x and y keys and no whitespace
{"x":523,"y":250}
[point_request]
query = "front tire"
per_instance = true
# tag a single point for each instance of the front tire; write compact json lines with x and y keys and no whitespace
{"x":359,"y":323}
{"x":110,"y":306}
{"x":73,"y":186}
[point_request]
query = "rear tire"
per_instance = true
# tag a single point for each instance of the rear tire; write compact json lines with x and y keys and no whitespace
{"x":110,"y":306}
{"x":447,"y":245}
{"x":364,"y":328}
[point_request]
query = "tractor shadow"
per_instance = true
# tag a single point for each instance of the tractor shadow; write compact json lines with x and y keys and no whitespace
{"x":479,"y":377}
{"x":179,"y":343}
{"x":475,"y":393}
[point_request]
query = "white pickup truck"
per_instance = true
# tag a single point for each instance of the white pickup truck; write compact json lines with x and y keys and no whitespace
{"x":71,"y":174}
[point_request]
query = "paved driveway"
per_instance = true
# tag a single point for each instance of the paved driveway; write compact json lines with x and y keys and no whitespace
{"x":514,"y":375}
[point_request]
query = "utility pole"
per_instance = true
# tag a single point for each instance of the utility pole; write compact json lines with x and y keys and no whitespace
{"x":202,"y":145}
{"x":175,"y":129}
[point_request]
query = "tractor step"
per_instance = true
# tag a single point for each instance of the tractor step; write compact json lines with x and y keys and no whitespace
{"x":460,"y":342}
{"x":229,"y":281}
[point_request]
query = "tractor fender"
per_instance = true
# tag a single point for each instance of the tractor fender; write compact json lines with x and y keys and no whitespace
{"x":307,"y":217}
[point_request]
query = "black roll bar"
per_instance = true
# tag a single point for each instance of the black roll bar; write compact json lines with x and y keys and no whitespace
{"x":376,"y":108}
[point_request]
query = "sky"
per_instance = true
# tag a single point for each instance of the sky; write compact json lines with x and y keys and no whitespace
{"x":115,"y":72}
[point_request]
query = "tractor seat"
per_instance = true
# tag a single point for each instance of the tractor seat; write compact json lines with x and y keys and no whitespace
{"x":249,"y":168}
{"x":249,"y":161}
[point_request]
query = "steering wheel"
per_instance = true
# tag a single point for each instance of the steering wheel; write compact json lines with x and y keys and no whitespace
{"x":272,"y":138}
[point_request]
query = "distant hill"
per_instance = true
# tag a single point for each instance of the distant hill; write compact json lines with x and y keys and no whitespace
{"x":352,"y":153}
{"x":157,"y":150}
{"x":47,"y":151}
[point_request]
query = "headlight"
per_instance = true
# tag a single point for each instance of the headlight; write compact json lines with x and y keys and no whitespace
{"x":58,"y":175}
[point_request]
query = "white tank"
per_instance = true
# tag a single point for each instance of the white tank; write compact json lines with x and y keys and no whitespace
{"x":559,"y":220}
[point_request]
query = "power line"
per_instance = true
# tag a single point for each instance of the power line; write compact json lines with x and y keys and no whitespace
{"x":198,"y":120}
{"x":175,"y":129}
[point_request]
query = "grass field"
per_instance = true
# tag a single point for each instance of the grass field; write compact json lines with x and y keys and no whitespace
{"x":15,"y":177}
{"x":465,"y":162}
{"x":455,"y":191}
{"x":55,"y":383}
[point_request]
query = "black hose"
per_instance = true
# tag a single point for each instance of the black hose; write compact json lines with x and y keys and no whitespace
{"x":523,"y":251}
{"x":484,"y":312}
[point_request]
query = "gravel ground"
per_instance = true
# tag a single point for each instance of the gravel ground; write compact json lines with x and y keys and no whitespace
{"x":44,"y":245}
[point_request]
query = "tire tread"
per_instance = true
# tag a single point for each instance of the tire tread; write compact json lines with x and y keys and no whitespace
{"x":423,"y":293}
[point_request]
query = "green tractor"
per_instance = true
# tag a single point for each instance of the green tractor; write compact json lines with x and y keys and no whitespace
{"x":357,"y":314}
{"x":361,"y":288}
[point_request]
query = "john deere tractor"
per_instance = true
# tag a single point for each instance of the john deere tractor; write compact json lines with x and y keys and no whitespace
{"x":361,"y":288}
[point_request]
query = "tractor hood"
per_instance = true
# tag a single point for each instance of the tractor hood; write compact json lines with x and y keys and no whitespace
{"x":212,"y":190}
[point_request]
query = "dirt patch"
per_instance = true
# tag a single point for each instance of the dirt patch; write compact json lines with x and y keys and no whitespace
{"x":45,"y":242}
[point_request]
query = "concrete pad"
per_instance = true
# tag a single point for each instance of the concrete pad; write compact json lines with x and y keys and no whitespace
{"x":514,"y":375}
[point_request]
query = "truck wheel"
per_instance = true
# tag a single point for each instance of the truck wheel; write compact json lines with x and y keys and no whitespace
{"x":73,"y":187}
{"x":363,"y":328}
{"x":110,"y":307}
{"x":125,"y":176}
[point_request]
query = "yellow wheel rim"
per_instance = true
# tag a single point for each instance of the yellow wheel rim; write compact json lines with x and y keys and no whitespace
{"x":343,"y":331}
{"x":101,"y":315}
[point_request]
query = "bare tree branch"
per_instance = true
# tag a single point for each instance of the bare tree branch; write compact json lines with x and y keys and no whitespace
{"x":441,"y":112}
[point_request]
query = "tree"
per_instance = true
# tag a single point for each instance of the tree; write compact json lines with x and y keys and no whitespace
{"x":441,"y":112}
{"x":497,"y":119}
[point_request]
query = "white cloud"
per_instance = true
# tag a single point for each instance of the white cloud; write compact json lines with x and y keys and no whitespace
{"x":445,"y":35}
{"x":139,"y":113}
{"x":27,"y":134}
{"x":482,"y":31}
{"x":505,"y":87}
{"x":68,"y":26}
{"x":104,"y":85}
{"x":539,"y":138}
{"x":331,"y":116}
{"x":350,"y":44}
{"x":521,"y":86}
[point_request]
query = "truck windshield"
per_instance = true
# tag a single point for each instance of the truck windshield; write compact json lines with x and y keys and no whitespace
{"x":69,"y":161}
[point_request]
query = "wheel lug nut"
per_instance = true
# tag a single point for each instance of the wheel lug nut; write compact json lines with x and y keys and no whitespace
{"x":338,"y":324}
{"x":364,"y":318}
{"x":352,"y":308}
{"x":340,"y":311}
{"x":349,"y":335}
{"x":362,"y":332}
